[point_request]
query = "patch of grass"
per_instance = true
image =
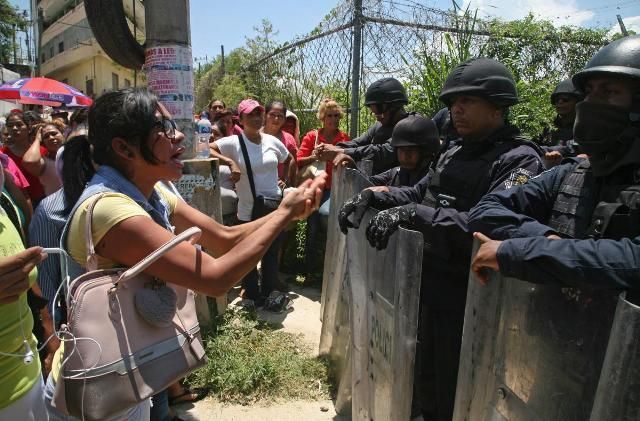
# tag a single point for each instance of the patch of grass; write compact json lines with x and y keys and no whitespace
{"x":250,"y":361}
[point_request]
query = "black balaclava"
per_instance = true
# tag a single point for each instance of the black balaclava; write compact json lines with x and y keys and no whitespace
{"x":608,"y":135}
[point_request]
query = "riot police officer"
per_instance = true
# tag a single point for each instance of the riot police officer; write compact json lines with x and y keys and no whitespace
{"x":416,"y":142}
{"x":489,"y":156}
{"x":558,"y":140}
{"x":579,"y":223}
{"x":445,"y":126}
{"x":386,"y":99}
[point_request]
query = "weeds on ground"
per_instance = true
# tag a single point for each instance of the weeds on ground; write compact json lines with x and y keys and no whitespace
{"x":293,"y":249}
{"x":250,"y":361}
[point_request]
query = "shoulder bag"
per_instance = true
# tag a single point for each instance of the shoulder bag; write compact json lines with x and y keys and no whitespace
{"x":129,"y":335}
{"x":262,"y":205}
{"x":312,"y":170}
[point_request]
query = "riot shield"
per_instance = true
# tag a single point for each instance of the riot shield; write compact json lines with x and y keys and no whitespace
{"x":531,"y":351}
{"x":341,"y":190}
{"x":618,"y":393}
{"x":385,"y":298}
{"x":334,"y":237}
{"x":335,"y":333}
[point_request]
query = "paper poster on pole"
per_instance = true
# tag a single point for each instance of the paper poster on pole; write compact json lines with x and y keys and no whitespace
{"x":169,"y":70}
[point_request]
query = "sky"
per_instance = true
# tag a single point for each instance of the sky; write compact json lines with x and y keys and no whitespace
{"x":229,"y":23}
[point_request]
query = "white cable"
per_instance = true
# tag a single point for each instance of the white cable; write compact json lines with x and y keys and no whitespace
{"x":29,"y":354}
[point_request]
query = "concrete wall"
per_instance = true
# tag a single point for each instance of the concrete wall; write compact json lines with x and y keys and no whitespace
{"x":98,"y":68}
{"x":82,"y":59}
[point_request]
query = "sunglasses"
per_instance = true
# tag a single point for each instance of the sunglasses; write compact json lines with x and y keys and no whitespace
{"x":168,"y":127}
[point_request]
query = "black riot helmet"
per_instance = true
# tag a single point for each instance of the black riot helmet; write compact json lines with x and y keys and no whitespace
{"x":620,"y":58}
{"x":566,"y":87}
{"x":416,"y":130}
{"x":483,"y":77}
{"x":386,"y":91}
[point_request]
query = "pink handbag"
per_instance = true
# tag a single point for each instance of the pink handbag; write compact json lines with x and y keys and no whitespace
{"x":129,"y":335}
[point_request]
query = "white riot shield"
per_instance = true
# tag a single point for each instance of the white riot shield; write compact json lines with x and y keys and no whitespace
{"x":618,"y":393}
{"x":385,"y":299}
{"x":531,"y":351}
{"x":335,"y":335}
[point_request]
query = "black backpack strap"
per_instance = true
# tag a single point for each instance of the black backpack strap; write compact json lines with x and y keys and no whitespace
{"x":247,"y":163}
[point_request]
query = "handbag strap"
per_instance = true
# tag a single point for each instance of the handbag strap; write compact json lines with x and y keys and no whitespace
{"x":192,"y":235}
{"x":92,"y":257}
{"x":247,"y":163}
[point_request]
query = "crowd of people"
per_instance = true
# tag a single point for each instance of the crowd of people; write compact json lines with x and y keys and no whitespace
{"x":563,"y":210}
{"x":126,"y":149}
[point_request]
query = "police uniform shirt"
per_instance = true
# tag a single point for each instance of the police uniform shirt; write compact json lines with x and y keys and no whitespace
{"x":514,"y":167}
{"x":518,"y":217}
{"x":373,"y":145}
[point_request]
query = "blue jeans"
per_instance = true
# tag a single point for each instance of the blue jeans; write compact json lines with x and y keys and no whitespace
{"x":268,"y":269}
{"x":316,"y":223}
{"x":160,"y":406}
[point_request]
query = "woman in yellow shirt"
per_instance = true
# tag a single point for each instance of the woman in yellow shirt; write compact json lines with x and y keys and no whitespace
{"x":21,"y":388}
{"x":137,"y":145}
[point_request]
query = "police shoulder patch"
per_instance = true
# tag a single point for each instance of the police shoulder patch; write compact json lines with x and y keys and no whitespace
{"x":518,"y":177}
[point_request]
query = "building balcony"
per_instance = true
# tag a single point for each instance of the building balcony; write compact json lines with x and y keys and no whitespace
{"x":54,"y":9}
{"x":77,"y":15}
{"x":70,"y":57}
{"x":64,"y":22}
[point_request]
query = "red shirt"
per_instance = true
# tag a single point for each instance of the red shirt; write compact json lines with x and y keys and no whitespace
{"x":35,"y":189}
{"x":308,"y":143}
{"x":291,"y":145}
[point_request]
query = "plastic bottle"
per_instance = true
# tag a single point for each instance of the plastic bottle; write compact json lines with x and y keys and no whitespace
{"x":202,"y":135}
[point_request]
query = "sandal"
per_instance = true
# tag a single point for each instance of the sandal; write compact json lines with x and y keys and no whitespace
{"x":277,"y":302}
{"x":186,"y":397}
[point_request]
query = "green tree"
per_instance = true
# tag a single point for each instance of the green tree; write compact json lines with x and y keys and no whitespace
{"x":212,"y":75}
{"x":10,"y":21}
{"x":538,"y":54}
{"x":231,"y":89}
{"x":428,"y":77}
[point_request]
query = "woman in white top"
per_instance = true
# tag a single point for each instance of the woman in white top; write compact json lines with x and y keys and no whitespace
{"x":265,"y":153}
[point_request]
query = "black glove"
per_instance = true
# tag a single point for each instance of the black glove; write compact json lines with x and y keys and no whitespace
{"x":357,"y":205}
{"x":386,"y":222}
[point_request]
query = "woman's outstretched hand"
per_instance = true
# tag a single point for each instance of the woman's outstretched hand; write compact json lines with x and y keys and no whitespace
{"x":302,"y":201}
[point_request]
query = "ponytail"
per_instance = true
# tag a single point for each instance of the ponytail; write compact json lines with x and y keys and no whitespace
{"x":77,"y":169}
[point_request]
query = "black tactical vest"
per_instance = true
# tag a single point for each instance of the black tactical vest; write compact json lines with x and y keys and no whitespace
{"x":460,"y":178}
{"x":585,"y":208}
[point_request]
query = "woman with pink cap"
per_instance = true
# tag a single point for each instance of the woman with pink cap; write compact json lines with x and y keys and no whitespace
{"x":259,"y":180}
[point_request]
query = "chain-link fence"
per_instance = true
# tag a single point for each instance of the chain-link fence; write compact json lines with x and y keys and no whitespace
{"x":409,"y":41}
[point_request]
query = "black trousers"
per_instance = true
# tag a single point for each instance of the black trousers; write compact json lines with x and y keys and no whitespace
{"x":442,"y":306}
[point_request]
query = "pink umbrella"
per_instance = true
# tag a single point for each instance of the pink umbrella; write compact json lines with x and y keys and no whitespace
{"x":43,"y":91}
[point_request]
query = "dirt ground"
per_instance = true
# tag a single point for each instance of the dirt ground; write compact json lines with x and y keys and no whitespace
{"x":305,"y":320}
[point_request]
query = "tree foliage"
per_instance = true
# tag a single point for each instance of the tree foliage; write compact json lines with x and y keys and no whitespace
{"x":538,"y":54}
{"x":228,"y":84}
{"x":10,"y":20}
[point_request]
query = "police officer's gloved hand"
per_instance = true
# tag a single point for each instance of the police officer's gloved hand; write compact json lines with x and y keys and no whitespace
{"x":357,"y":206}
{"x":386,"y":222}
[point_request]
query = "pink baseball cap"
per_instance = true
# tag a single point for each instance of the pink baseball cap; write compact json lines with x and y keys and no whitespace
{"x":248,"y":105}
